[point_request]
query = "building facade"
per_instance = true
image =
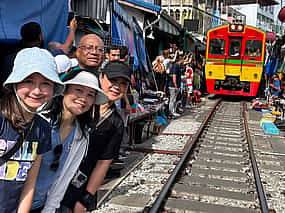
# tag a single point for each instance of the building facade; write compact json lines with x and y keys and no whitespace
{"x":205,"y":14}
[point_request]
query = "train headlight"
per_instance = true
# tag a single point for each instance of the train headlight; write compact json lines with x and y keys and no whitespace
{"x":210,"y":73}
{"x":236,"y":28}
{"x":255,"y":76}
{"x":233,"y":27}
{"x":239,"y":27}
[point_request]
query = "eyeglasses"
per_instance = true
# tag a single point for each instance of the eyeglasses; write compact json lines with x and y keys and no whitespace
{"x":90,"y":49}
{"x":57,"y":151}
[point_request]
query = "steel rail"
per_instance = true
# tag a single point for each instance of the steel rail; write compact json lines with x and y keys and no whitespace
{"x":258,"y":183}
{"x":119,"y":181}
{"x":156,"y":206}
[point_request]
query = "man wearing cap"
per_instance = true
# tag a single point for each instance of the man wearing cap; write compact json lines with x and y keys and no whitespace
{"x":107,"y":137}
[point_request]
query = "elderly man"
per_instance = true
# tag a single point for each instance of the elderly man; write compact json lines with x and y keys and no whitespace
{"x":90,"y":53}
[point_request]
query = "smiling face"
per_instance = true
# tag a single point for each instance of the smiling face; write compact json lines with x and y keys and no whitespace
{"x":114,"y":88}
{"x":78,"y":99}
{"x":35,"y":90}
{"x":90,"y":52}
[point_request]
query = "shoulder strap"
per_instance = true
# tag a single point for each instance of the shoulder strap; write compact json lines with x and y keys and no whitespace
{"x":18,"y":144}
{"x":105,"y":116}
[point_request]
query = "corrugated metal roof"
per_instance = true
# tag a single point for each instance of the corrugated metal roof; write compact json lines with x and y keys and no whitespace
{"x":96,"y":9}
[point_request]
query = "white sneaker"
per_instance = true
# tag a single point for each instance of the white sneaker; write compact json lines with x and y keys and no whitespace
{"x":188,"y":107}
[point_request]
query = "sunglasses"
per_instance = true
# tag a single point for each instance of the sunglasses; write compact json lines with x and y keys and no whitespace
{"x":57,"y":151}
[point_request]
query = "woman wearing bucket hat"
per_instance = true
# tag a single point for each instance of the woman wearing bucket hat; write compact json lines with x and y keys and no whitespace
{"x":104,"y":144}
{"x":25,"y":136}
{"x":71,"y":117}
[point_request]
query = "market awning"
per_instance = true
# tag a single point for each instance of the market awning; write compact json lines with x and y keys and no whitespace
{"x":142,"y":5}
{"x":165,"y":26}
{"x":168,"y":24}
{"x":261,"y":2}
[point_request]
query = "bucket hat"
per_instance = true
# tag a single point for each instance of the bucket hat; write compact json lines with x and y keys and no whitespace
{"x":35,"y":60}
{"x":88,"y":79}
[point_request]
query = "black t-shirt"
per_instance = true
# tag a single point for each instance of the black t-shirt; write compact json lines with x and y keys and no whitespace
{"x":175,"y":70}
{"x":104,"y":142}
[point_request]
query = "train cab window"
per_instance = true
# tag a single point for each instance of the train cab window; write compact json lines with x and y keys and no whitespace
{"x":253,"y":48}
{"x":235,"y":47}
{"x":217,"y":47}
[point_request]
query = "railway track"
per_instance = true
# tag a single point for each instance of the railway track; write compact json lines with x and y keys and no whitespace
{"x":217,"y":174}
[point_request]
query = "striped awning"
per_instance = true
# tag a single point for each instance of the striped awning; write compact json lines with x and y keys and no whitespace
{"x":167,"y":27}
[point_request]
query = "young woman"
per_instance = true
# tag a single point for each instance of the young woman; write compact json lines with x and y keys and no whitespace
{"x":24,"y":136}
{"x":71,"y":119}
{"x":104,"y":142}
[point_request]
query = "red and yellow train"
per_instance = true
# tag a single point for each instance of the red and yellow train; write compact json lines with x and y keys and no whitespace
{"x":234,"y":59}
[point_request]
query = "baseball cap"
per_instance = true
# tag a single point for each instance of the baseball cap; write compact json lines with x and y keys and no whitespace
{"x":64,"y":63}
{"x":86,"y":78}
{"x":117,"y":69}
{"x":35,"y":60}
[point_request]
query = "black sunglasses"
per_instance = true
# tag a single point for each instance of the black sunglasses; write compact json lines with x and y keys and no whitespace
{"x":57,"y":151}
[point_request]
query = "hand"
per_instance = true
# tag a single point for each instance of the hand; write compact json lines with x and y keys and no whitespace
{"x":73,"y":24}
{"x":176,"y":89}
{"x":79,"y":208}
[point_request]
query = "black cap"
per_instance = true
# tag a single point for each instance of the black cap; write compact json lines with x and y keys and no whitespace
{"x":117,"y":69}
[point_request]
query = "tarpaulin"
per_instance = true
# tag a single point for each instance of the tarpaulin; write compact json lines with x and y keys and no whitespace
{"x":140,"y":46}
{"x":149,"y":5}
{"x":51,"y":15}
{"x":123,"y":32}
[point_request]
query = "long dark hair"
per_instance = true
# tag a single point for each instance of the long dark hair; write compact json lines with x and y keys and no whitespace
{"x":12,"y":110}
{"x":85,"y":120}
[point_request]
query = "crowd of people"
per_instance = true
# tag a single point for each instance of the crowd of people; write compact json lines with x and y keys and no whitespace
{"x":61,"y":127}
{"x":181,"y":76}
{"x":64,"y":115}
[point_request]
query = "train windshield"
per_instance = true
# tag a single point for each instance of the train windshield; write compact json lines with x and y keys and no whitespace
{"x":253,"y":48}
{"x":217,"y":47}
{"x":235,"y":48}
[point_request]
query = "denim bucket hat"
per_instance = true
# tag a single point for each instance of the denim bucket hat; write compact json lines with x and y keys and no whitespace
{"x":35,"y":60}
{"x":85,"y":78}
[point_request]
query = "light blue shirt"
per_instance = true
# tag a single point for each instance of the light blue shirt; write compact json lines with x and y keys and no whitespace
{"x":47,"y":176}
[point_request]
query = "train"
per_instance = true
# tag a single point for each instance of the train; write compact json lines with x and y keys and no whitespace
{"x":234,"y":60}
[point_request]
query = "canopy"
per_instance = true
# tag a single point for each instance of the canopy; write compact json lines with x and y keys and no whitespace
{"x":51,"y":15}
{"x":261,"y":2}
{"x":167,"y":27}
{"x":126,"y":31}
{"x":140,"y":4}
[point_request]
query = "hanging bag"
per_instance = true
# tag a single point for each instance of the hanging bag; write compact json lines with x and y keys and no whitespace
{"x":281,"y":14}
